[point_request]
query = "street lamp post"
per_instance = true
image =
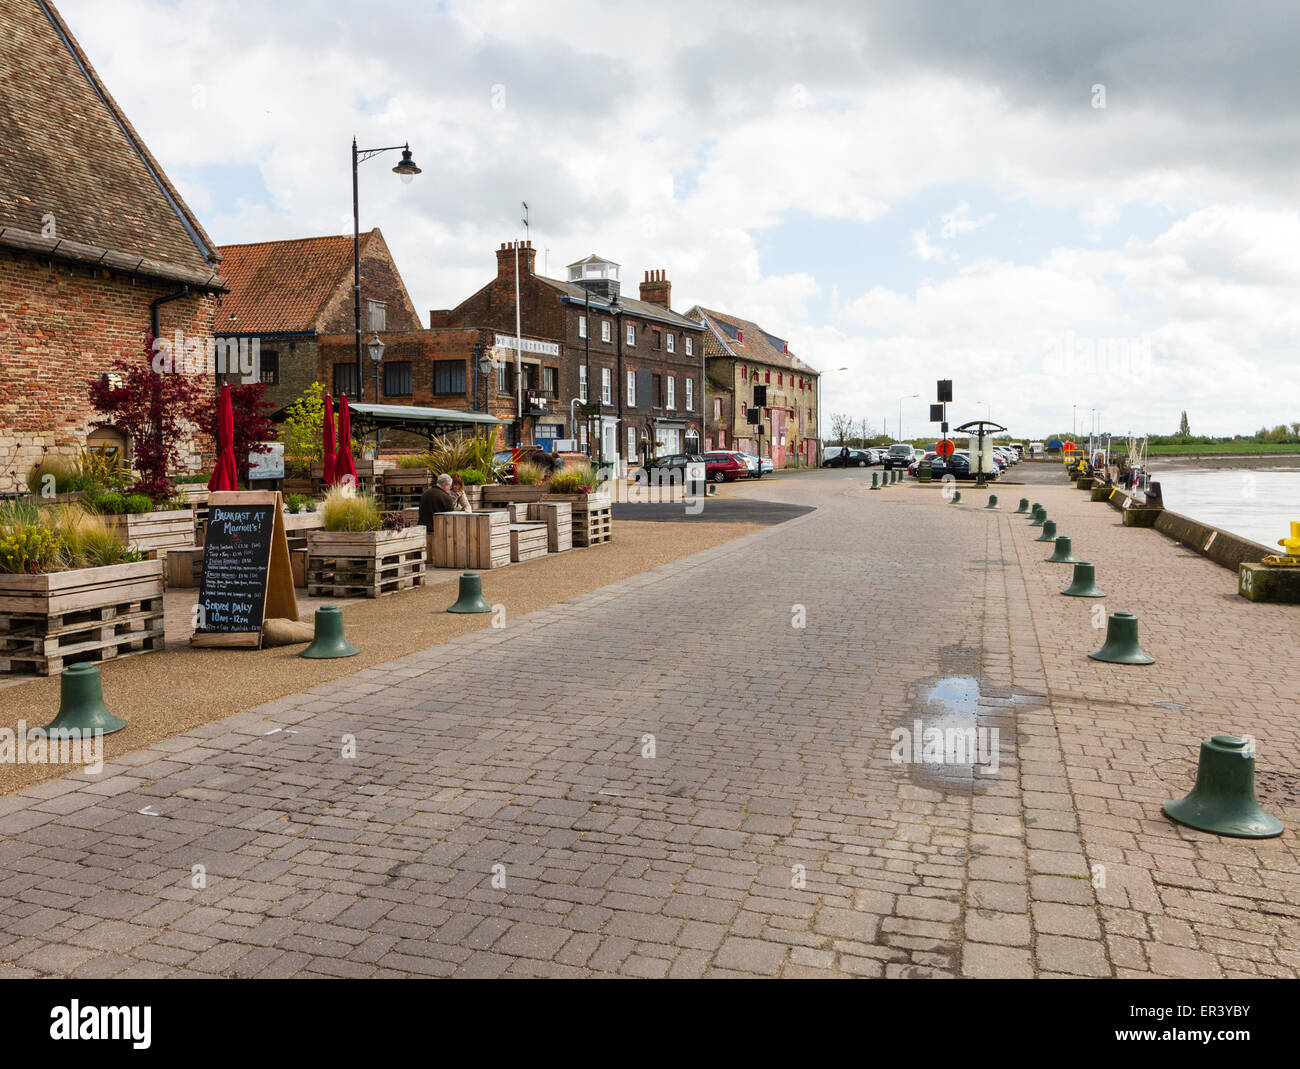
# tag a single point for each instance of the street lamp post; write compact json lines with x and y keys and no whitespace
{"x":376,"y":348}
{"x":407,"y":170}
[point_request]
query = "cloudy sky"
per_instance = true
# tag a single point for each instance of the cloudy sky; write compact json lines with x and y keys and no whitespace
{"x":1055,"y":205}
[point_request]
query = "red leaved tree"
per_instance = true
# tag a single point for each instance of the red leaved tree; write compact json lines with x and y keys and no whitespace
{"x":154,"y":409}
{"x":252,"y":427}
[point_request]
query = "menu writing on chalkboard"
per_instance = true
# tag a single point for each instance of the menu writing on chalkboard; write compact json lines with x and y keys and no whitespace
{"x":236,"y":560}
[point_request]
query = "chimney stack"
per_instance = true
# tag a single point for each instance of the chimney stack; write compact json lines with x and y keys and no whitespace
{"x":656,"y":289}
{"x":506,"y":259}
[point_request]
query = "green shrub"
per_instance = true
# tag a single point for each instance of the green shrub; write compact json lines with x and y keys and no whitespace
{"x":578,"y":479}
{"x":28,"y":550}
{"x":350,"y":510}
{"x":472,"y":477}
{"x":137,"y":503}
{"x":296,"y":503}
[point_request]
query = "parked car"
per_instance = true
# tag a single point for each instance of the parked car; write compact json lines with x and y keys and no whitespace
{"x":926,"y":458}
{"x":725,"y":467}
{"x":754,"y":463}
{"x":857,"y":458}
{"x":958,"y":465}
{"x":671,"y":466}
{"x":899,"y":456}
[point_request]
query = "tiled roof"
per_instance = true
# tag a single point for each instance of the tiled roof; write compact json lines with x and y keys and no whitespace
{"x":281,"y":287}
{"x":759,"y":345}
{"x":629,"y":304}
{"x":70,"y":152}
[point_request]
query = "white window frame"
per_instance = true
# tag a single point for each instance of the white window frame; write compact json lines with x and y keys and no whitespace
{"x":690,"y":395}
{"x":604,"y":330}
{"x":690,"y":350}
{"x":631,"y":389}
{"x":672,"y":342}
{"x":632,"y":452}
{"x":630,"y":334}
{"x":582,"y":383}
{"x":672,"y":392}
{"x":606,"y":393}
{"x":582,"y":326}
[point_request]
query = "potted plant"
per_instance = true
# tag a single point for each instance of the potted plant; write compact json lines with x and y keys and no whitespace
{"x":72,"y":590}
{"x":143,"y":524}
{"x":354,"y":555}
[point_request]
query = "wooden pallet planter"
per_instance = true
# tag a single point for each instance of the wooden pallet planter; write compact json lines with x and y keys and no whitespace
{"x":154,"y":532}
{"x":527,"y":541}
{"x":558,"y":517}
{"x":502,"y":494}
{"x":402,"y":487}
{"x":301,"y":523}
{"x":593,"y":521}
{"x":48,"y":622}
{"x":364,"y":564}
{"x":473,"y":540}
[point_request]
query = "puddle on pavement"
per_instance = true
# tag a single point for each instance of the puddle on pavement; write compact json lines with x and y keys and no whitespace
{"x":960,"y":726}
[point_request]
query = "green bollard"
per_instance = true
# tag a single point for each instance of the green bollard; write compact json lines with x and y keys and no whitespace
{"x":1039,"y":516}
{"x":1062,"y":554}
{"x":1084,"y":582}
{"x":1223,"y":801}
{"x":956,"y":498}
{"x":993,"y":501}
{"x":1121,"y":646}
{"x":898,"y":475}
{"x":875,"y":480}
{"x":82,"y":711}
{"x":1048,"y":533}
{"x":471,"y":595}
{"x":328,"y":641}
{"x":1024,"y":507}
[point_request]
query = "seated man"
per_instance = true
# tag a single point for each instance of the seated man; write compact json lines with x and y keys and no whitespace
{"x":436,"y":499}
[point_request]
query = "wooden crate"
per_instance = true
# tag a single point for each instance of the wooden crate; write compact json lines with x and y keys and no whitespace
{"x":364,"y":564}
{"x":558,"y":517}
{"x":184,"y":567}
{"x":402,"y":487}
{"x":527,"y":541}
{"x":155,"y":532}
{"x":92,"y":614}
{"x":474,"y":540}
{"x":593,"y":521}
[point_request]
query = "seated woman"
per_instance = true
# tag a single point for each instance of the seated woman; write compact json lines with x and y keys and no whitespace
{"x":460,"y":498}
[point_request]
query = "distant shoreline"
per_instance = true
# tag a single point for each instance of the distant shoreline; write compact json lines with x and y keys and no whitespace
{"x":1250,"y":461}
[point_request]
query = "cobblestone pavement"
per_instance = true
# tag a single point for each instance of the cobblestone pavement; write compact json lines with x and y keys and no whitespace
{"x":669,"y":777}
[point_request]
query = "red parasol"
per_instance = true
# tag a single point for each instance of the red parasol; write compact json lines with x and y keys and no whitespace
{"x":327,"y":429}
{"x":225,"y":476}
{"x":343,"y":462}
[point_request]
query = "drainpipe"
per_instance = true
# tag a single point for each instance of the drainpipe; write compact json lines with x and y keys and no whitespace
{"x":155,"y":315}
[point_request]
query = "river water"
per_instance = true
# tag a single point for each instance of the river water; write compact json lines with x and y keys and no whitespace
{"x":1258,"y":504}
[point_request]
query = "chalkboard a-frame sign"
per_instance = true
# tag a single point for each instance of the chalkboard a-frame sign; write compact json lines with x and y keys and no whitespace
{"x":246,"y":573}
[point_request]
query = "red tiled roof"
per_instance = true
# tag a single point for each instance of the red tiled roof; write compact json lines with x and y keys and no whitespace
{"x":282,"y":286}
{"x":72,"y":154}
{"x":758,"y":345}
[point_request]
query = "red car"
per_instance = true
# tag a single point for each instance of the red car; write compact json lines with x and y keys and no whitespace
{"x":723,"y":467}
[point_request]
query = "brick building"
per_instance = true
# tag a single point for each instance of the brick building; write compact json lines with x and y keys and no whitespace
{"x":635,"y":363}
{"x":96,"y":245}
{"x":290,"y":294}
{"x":740,"y":355}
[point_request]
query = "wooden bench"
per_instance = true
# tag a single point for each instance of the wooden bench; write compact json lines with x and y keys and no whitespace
{"x":527,"y":541}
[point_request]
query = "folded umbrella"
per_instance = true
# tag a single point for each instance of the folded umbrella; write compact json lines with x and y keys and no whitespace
{"x":327,"y":432}
{"x":343,"y":462}
{"x":225,"y":476}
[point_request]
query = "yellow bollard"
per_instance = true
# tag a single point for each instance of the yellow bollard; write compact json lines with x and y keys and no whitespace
{"x":1292,"y":544}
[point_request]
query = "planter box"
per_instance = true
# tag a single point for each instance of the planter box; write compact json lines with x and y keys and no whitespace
{"x":495,"y":496}
{"x":474,"y":540}
{"x":154,"y":532}
{"x":593,"y":521}
{"x":301,"y":522}
{"x":92,"y":614}
{"x":193,"y":493}
{"x":365,"y":473}
{"x":364,"y":564}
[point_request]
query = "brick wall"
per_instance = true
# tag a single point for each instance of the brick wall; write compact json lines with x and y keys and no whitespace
{"x":60,"y":329}
{"x":380,"y":281}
